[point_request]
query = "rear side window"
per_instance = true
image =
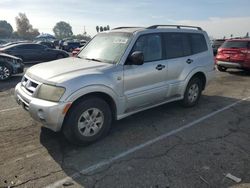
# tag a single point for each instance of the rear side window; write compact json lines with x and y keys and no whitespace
{"x":176,"y":45}
{"x":235,"y":44}
{"x":198,"y":43}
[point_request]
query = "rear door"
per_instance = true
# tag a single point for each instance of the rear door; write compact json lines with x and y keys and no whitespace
{"x":184,"y":52}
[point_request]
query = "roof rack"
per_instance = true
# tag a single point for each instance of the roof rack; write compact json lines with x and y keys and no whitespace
{"x":177,"y":26}
{"x":124,"y":28}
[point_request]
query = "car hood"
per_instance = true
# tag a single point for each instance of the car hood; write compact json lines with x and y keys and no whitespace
{"x":58,"y":71}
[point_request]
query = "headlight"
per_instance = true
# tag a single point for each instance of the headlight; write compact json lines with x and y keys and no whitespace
{"x":50,"y":93}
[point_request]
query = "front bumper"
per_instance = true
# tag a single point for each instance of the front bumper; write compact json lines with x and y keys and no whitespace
{"x":50,"y":114}
{"x":18,"y":68}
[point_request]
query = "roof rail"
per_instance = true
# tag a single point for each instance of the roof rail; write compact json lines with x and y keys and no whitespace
{"x":177,"y":26}
{"x":124,"y":28}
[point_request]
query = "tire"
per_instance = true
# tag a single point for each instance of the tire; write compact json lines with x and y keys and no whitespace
{"x":221,"y":69}
{"x":87,"y":121}
{"x":5,"y":71}
{"x":59,"y":56}
{"x":192,"y":93}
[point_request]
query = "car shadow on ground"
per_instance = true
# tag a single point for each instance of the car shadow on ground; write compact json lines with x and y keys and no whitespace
{"x":10,"y":83}
{"x":73,"y":158}
{"x":239,"y":72}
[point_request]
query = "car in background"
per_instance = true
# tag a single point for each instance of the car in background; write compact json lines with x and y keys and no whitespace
{"x":2,"y":42}
{"x":234,"y":53}
{"x":47,"y":43}
{"x":33,"y":53}
{"x":216,"y":44}
{"x":69,"y":46}
{"x":76,"y":51}
{"x":10,"y":65}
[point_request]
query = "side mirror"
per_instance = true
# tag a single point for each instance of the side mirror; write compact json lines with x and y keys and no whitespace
{"x":136,"y":58}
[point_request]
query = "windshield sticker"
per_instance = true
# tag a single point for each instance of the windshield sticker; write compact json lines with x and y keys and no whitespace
{"x":120,"y":41}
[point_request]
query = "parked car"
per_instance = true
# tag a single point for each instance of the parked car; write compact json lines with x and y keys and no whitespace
{"x":118,"y":73}
{"x":76,"y":51}
{"x":216,"y":44}
{"x":48,"y":44}
{"x":69,"y":46}
{"x":10,"y":65}
{"x":234,"y":53}
{"x":31,"y":52}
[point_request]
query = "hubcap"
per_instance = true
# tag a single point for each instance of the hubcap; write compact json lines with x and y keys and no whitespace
{"x":90,"y":122}
{"x":193,"y":93}
{"x":4,"y":72}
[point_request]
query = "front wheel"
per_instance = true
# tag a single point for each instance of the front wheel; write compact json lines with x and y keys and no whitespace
{"x":87,"y":121}
{"x":5,"y":72}
{"x":192,"y":92}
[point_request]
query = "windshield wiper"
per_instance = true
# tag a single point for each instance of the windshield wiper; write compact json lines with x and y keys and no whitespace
{"x":93,"y":59}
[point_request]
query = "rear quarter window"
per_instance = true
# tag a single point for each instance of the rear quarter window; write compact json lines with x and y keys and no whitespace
{"x":198,"y":43}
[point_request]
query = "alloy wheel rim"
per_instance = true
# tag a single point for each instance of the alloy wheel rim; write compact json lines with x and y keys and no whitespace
{"x":193,"y":93}
{"x":4,"y":72}
{"x":90,"y":122}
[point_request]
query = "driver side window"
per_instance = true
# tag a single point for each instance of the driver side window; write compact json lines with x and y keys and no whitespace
{"x":151,"y":47}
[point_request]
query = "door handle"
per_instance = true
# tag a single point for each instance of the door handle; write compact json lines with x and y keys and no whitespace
{"x":189,"y":61}
{"x":160,"y":67}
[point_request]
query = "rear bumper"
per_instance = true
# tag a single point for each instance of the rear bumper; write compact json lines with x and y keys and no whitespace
{"x":50,"y":114}
{"x":229,"y":64}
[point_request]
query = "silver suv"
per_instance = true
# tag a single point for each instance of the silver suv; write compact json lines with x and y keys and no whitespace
{"x":118,"y":73}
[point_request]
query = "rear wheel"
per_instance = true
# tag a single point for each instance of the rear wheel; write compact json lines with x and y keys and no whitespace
{"x":221,"y":69}
{"x":5,"y":71}
{"x":192,"y":92}
{"x":87,"y":121}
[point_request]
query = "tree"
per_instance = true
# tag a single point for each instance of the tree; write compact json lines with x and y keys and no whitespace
{"x":5,"y":29}
{"x":24,"y":28}
{"x":62,"y":30}
{"x":97,"y":29}
{"x":108,"y":28}
{"x":105,"y":28}
{"x":101,"y":29}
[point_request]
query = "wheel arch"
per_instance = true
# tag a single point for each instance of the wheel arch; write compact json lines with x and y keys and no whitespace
{"x":100,"y":94}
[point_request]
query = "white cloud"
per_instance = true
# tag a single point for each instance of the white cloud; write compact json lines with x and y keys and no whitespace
{"x":219,"y":27}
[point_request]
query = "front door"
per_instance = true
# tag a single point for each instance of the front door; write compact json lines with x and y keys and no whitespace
{"x":146,"y":84}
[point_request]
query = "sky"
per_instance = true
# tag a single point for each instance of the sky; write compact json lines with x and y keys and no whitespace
{"x":218,"y":17}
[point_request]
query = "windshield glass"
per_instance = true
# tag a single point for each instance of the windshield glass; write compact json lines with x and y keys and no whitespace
{"x":106,"y":47}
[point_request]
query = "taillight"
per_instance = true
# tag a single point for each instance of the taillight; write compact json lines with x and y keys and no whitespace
{"x":219,"y":50}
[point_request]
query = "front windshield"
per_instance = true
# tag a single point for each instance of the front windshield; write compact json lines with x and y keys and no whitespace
{"x":106,"y":47}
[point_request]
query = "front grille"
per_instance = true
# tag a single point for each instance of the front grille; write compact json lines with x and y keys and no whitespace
{"x":29,"y":85}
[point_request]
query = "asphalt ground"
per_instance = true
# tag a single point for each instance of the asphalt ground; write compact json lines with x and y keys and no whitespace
{"x":167,"y":146}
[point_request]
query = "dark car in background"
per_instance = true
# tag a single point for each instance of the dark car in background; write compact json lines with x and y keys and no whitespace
{"x":31,"y":52}
{"x":234,"y":53}
{"x":69,"y":46}
{"x":10,"y":65}
{"x":47,"y":43}
{"x":216,"y":44}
